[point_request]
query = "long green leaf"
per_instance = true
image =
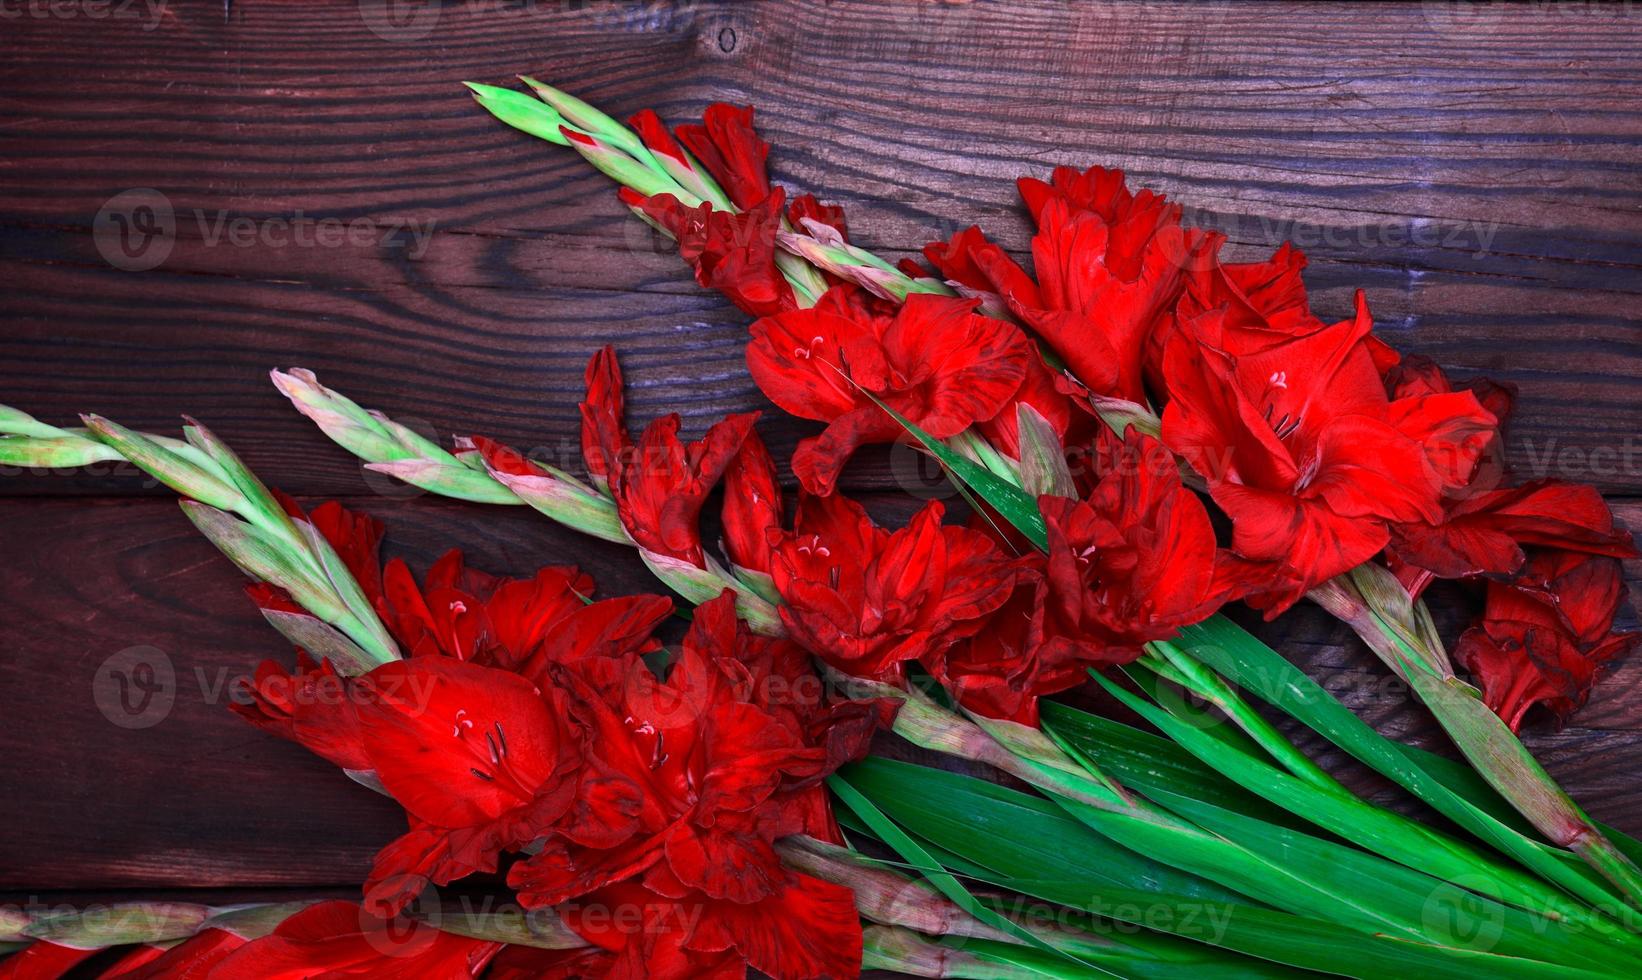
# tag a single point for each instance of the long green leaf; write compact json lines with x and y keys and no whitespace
{"x":1404,"y":892}
{"x":1469,"y":784}
{"x":932,"y":870}
{"x":1017,"y":506}
{"x":1241,"y":658}
{"x":1372,"y":828}
{"x":982,"y":831}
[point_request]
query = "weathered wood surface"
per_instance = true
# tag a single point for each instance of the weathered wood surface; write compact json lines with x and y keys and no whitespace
{"x":1475,"y":168}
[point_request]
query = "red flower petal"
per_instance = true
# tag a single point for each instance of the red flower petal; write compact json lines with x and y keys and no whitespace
{"x":752,"y":505}
{"x":731,"y":151}
{"x":340,"y":939}
{"x":934,"y":361}
{"x":456,"y":743}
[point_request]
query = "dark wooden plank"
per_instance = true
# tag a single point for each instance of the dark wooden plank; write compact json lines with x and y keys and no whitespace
{"x":499,"y":362}
{"x":196,"y":797}
{"x":1475,"y":183}
{"x":199,"y":799}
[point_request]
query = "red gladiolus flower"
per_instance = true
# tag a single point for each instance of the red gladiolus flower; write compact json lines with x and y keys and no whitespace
{"x":463,"y":613}
{"x":1003,"y":669}
{"x":1546,"y":634}
{"x":733,"y":253}
{"x":525,"y":718}
{"x":752,"y":506}
{"x":481,"y":760}
{"x":1484,"y":534}
{"x":661,"y":491}
{"x":308,"y":706}
{"x":1109,"y":266}
{"x":339,"y":939}
{"x":1135,"y":560}
{"x":661,"y":483}
{"x":866,"y":600}
{"x":732,"y":152}
{"x":934,"y":361}
{"x":720,"y":776}
{"x":1261,"y":305}
{"x":1297,"y":446}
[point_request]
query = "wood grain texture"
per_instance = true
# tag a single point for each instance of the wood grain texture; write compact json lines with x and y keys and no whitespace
{"x":1475,"y":168}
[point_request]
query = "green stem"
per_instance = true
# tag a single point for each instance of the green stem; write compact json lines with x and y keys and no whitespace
{"x":1387,"y":620}
{"x":1214,"y":689}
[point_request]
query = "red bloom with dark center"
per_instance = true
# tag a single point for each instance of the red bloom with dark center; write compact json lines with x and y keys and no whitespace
{"x":339,"y":939}
{"x":720,"y":776}
{"x":733,"y":253}
{"x":1297,"y":446}
{"x":865,"y":600}
{"x":481,"y":760}
{"x":1135,"y":560}
{"x":661,"y":483}
{"x":1547,"y":634}
{"x":934,"y":361}
{"x":732,"y":152}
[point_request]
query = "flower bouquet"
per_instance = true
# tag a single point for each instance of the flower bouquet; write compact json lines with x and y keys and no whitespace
{"x":846,"y":744}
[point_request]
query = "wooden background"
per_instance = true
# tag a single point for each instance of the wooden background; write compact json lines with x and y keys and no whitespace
{"x":1475,"y":168}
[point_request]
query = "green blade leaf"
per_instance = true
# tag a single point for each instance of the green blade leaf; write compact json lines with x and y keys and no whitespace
{"x":1003,"y":838}
{"x":1244,"y":660}
{"x":1017,"y":506}
{"x":931,"y":869}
